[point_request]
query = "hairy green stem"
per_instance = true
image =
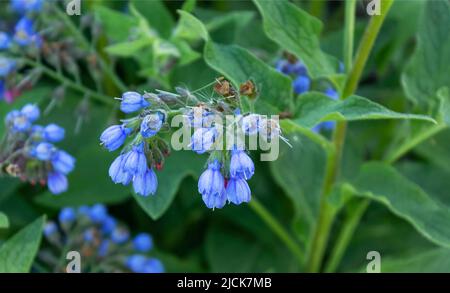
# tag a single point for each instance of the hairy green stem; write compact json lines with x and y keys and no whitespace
{"x":327,"y":212}
{"x":277,"y":229}
{"x":64,"y":80}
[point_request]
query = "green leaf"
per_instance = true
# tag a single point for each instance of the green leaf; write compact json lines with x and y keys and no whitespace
{"x":17,"y":254}
{"x":437,"y":149}
{"x":189,"y":5}
{"x":129,"y":48}
{"x":116,"y":25}
{"x":157,"y":15}
{"x":432,"y":261}
{"x":4,"y":222}
{"x":177,"y":166}
{"x":298,"y":32}
{"x":190,"y":28}
{"x":89,"y":183}
{"x":239,"y":65}
{"x":382,"y":183}
{"x":316,"y":107}
{"x":428,"y":70}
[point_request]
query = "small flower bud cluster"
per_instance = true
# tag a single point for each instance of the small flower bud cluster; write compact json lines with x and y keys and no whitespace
{"x":146,"y":151}
{"x":27,"y":151}
{"x":104,"y":243}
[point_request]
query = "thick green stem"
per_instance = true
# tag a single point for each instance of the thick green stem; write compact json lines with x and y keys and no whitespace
{"x":327,"y":212}
{"x":277,"y":229}
{"x":348,"y":33}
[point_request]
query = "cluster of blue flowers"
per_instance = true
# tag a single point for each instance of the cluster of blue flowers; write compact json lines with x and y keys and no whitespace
{"x":28,"y":150}
{"x":146,"y":151}
{"x":23,"y":36}
{"x":104,"y":243}
{"x":302,"y":83}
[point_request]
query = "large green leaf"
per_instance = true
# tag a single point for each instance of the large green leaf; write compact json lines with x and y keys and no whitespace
{"x":239,"y":65}
{"x":432,"y":261}
{"x":116,"y":25}
{"x":437,"y":149}
{"x":190,"y":28}
{"x":17,"y":254}
{"x":315,"y":107}
{"x":177,"y":166}
{"x":428,"y":70}
{"x":89,"y":183}
{"x":382,"y":183}
{"x":4,"y":222}
{"x":157,"y":15}
{"x":298,"y":32}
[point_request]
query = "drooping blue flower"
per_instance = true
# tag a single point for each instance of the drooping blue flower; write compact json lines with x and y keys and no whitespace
{"x":143,"y":242}
{"x":241,"y":165}
{"x":5,"y":41}
{"x":116,"y":172}
{"x":282,"y":66}
{"x":250,"y":124}
{"x":63,"y":162}
{"x":151,"y":124}
{"x":98,"y":213}
{"x":7,"y":65}
{"x":57,"y":182}
{"x":120,"y":235}
{"x":54,"y":133}
{"x":67,"y":215}
{"x":301,"y":84}
{"x":203,"y":139}
{"x":24,"y":6}
{"x":114,"y":136}
{"x":238,"y":191}
{"x":24,"y":34}
{"x":20,"y":122}
{"x":211,"y":186}
{"x":145,"y":183}
{"x":298,"y":68}
{"x":50,"y":229}
{"x":9,"y":118}
{"x":31,"y":111}
{"x":135,"y":162}
{"x":132,"y":102}
{"x":44,"y":151}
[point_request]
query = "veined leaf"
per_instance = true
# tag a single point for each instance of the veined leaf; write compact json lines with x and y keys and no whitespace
{"x":316,"y":107}
{"x":382,"y":183}
{"x":428,"y":70}
{"x":239,"y":65}
{"x":432,"y":261}
{"x":18,"y":252}
{"x":298,"y":32}
{"x":4,"y":222}
{"x":156,"y":14}
{"x":190,"y":28}
{"x":178,"y":165}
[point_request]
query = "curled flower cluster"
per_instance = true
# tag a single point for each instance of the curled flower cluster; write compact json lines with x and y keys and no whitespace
{"x":104,"y":243}
{"x":146,"y":151}
{"x":227,"y":172}
{"x":302,"y":83}
{"x":28,"y":151}
{"x":22,"y":37}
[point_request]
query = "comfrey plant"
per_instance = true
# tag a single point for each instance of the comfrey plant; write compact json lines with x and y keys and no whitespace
{"x":105,"y":244}
{"x":205,"y":118}
{"x":27,"y":150}
{"x":302,"y":83}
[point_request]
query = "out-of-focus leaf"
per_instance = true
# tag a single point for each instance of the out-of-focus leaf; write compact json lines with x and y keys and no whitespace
{"x":316,"y":107}
{"x":177,"y":166}
{"x":428,"y":70}
{"x":18,"y":252}
{"x":157,"y":15}
{"x":298,"y":32}
{"x":189,"y":5}
{"x":190,"y":28}
{"x":128,"y":49}
{"x":433,"y":261}
{"x":239,"y":65}
{"x":4,"y":222}
{"x":116,"y":25}
{"x":89,"y":183}
{"x":437,"y":149}
{"x":7,"y":186}
{"x":382,"y":183}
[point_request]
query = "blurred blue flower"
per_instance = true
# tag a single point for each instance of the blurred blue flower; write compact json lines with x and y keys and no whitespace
{"x":135,"y":262}
{"x":5,"y":41}
{"x":63,"y":162}
{"x":153,"y":265}
{"x":24,"y":6}
{"x":120,"y":235}
{"x":114,"y":136}
{"x":98,"y":213}
{"x":31,"y":111}
{"x":108,"y":225}
{"x":24,"y":34}
{"x":143,"y":242}
{"x":44,"y":151}
{"x":50,"y":229}
{"x":57,"y":182}
{"x":301,"y":84}
{"x":53,"y":133}
{"x":132,"y":102}
{"x":67,"y":215}
{"x":7,"y":65}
